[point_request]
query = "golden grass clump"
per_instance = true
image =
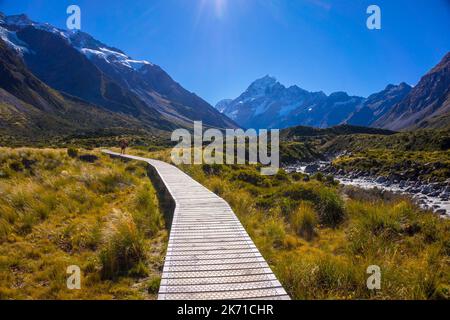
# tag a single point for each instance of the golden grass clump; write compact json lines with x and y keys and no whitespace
{"x":304,"y":221}
{"x":55,"y":210}
{"x":124,"y":249}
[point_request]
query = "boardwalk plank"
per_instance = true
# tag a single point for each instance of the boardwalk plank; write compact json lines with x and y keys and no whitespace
{"x":209,"y":255}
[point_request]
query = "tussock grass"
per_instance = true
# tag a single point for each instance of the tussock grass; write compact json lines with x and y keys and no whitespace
{"x":146,"y":213}
{"x":56,"y":210}
{"x":319,"y":239}
{"x":326,"y":201}
{"x":304,"y":221}
{"x":124,"y":249}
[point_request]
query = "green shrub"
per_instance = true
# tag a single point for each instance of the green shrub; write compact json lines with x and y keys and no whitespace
{"x":281,"y":175}
{"x":330,"y":207}
{"x":297,"y":176}
{"x":333,"y":272}
{"x":287,"y":205}
{"x":327,"y":201}
{"x":139,"y":270}
{"x":153,"y":285}
{"x":26,"y":222}
{"x":265,"y":203}
{"x":318,"y":176}
{"x":379,"y":220}
{"x":329,"y":179}
{"x":5,"y":173}
{"x":5,"y":229}
{"x":16,"y":166}
{"x":217,"y":185}
{"x":214,"y":169}
{"x":72,"y":152}
{"x":88,"y":158}
{"x":251,"y":177}
{"x":442,"y":292}
{"x":300,"y":191}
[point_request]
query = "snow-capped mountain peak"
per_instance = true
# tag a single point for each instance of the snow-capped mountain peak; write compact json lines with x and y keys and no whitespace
{"x":21,"y":21}
{"x":260,"y":86}
{"x":83,"y":42}
{"x":269,"y":104}
{"x":10,"y":37}
{"x":18,"y":20}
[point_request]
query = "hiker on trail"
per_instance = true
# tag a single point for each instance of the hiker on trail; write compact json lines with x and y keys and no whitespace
{"x":123,"y":145}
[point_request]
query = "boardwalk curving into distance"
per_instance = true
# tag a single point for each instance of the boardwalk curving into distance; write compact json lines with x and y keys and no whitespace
{"x":209,"y":255}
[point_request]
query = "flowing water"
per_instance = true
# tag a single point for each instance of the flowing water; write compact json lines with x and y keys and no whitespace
{"x":423,"y":200}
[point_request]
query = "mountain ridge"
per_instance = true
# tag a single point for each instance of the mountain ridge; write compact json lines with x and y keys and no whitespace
{"x":428,"y":101}
{"x":268,"y":103}
{"x":32,"y":111}
{"x":75,"y":63}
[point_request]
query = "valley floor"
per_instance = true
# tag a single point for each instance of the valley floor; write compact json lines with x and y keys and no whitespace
{"x":66,"y":207}
{"x":320,"y":237}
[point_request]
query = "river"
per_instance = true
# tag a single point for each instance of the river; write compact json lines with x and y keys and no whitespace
{"x":425,"y":201}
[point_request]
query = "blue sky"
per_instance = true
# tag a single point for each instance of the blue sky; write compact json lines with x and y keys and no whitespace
{"x":216,"y":48}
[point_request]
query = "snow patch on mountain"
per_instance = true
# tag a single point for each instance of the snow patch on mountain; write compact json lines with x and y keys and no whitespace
{"x":260,"y":87}
{"x":12,"y":41}
{"x":22,"y":21}
{"x":83,"y":42}
{"x":111,"y":56}
{"x":261,"y":108}
{"x":285,"y":110}
{"x":223,"y":104}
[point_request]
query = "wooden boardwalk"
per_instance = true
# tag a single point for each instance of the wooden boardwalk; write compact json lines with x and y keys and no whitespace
{"x":209,"y":255}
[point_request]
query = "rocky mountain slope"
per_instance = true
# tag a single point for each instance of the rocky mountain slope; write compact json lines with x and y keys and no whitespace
{"x":75,"y":63}
{"x":427,"y":105}
{"x":32,"y":111}
{"x":378,"y":104}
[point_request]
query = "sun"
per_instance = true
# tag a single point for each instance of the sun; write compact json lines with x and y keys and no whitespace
{"x":218,"y":7}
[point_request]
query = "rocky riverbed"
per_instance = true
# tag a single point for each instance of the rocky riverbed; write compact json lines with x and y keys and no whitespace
{"x":429,"y":196}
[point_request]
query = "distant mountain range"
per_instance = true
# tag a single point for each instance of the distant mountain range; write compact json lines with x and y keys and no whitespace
{"x":45,"y":70}
{"x":269,"y":104}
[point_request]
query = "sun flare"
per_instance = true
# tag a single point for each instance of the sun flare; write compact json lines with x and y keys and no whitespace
{"x":218,"y":7}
